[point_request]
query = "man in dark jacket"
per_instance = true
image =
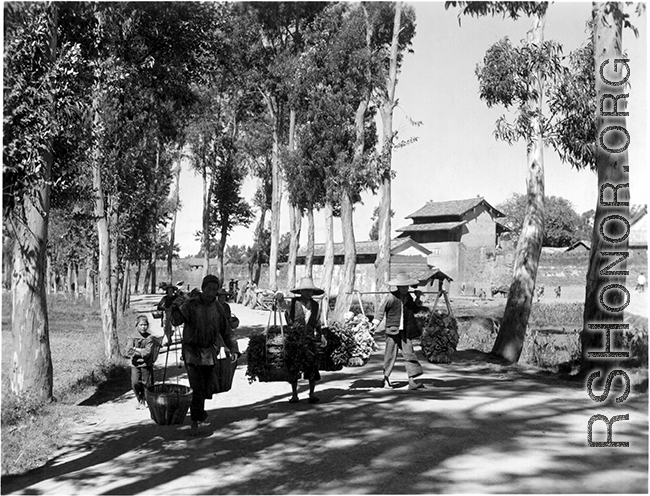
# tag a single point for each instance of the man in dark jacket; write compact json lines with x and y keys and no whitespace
{"x":205,"y":331}
{"x":399,"y":309}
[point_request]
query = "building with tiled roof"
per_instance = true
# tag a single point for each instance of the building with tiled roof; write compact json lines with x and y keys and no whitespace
{"x":453,"y":229}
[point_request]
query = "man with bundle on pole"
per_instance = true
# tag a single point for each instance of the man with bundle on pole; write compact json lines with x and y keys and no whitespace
{"x":401,"y":327}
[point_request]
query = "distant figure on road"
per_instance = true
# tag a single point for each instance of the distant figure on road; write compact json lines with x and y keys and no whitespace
{"x":540,"y":292}
{"x":640,"y":282}
{"x":165,"y":306}
{"x":558,"y":291}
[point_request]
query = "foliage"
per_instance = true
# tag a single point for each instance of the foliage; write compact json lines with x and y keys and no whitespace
{"x":562,"y":225}
{"x":292,"y":350}
{"x":236,"y":255}
{"x":510,"y":9}
{"x":439,"y":337}
{"x":357,"y":340}
{"x":373,"y":234}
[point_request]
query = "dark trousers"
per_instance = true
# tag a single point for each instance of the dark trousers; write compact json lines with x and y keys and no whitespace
{"x":200,"y":377}
{"x":396,"y":342}
{"x":141,"y":377}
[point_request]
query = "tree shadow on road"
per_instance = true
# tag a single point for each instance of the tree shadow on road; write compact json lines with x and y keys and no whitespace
{"x":473,"y":429}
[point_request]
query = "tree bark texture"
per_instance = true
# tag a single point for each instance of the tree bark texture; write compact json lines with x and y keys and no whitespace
{"x":382,"y":262}
{"x":612,"y":170}
{"x":276,"y":198}
{"x":328,"y":262}
{"x":205,"y":239}
{"x":111,"y":347}
{"x":172,"y":229}
{"x":510,"y":340}
{"x":311,"y":242}
{"x":344,"y":298}
{"x":31,"y":357}
{"x":295,"y":223}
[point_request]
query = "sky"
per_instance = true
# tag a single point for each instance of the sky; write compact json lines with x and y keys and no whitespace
{"x":456,"y":155}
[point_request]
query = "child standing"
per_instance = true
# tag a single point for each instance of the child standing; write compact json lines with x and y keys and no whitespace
{"x":144,"y":354}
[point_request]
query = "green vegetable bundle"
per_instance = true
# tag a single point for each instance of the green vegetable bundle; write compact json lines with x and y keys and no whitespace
{"x":357,"y":341}
{"x":279,"y":356}
{"x":439,"y":337}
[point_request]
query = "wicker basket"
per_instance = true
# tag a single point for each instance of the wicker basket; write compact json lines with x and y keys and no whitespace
{"x":168,"y":403}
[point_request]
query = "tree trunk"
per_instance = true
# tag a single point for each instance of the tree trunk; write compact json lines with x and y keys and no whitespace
{"x":154,"y":227}
{"x":49,"y":277}
{"x":344,"y":298}
{"x":68,"y":279}
{"x":32,"y":359}
{"x":328,"y":262}
{"x":109,"y":329}
{"x":115,"y":263}
{"x":276,"y":193}
{"x":382,"y":263}
{"x":205,"y":239}
{"x":147,"y":276}
{"x":75,"y":280}
{"x":510,"y":340}
{"x":137,"y":276}
{"x":255,"y":263}
{"x":172,"y":229}
{"x":223,"y":237}
{"x":309,"y":258}
{"x":90,"y":280}
{"x":612,"y":168}
{"x":126,"y":291}
{"x":295,"y":221}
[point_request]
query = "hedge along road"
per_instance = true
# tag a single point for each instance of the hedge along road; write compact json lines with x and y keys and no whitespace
{"x":477,"y":427}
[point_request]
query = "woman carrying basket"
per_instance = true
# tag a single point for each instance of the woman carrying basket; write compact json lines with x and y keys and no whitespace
{"x":205,"y":331}
{"x":304,"y":310}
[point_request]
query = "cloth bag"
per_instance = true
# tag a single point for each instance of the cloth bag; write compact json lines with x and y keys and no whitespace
{"x":223,"y":373}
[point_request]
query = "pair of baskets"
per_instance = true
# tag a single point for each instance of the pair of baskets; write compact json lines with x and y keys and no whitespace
{"x":168,"y":403}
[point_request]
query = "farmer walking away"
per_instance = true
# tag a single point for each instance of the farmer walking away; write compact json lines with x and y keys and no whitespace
{"x":399,"y":310}
{"x":205,"y":332}
{"x":144,"y":352}
{"x":165,"y":306}
{"x":304,"y":310}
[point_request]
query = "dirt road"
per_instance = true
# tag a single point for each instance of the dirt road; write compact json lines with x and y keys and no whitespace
{"x":477,"y":427}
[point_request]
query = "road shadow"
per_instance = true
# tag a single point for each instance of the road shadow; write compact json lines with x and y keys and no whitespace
{"x":361,"y":438}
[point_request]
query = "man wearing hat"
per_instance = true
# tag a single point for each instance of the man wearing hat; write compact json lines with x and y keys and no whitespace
{"x":165,"y":306}
{"x":304,"y":310}
{"x":399,"y":309}
{"x":205,"y":332}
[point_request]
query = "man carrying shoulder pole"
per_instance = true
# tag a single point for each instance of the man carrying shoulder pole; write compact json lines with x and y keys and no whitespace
{"x":401,"y":327}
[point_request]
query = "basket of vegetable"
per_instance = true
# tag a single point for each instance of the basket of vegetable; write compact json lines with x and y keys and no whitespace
{"x":439,"y":337}
{"x":279,"y":354}
{"x":357,"y":340}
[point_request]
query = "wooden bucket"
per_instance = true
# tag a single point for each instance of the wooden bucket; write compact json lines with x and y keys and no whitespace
{"x":168,"y":403}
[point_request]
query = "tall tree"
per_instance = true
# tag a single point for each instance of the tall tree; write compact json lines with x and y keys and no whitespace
{"x":609,"y":239}
{"x":31,"y":33}
{"x":402,"y":32}
{"x":280,"y":25}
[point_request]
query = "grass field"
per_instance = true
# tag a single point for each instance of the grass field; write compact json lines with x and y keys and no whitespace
{"x":32,"y":431}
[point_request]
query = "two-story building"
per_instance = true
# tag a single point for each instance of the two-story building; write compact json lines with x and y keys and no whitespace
{"x":460,"y":234}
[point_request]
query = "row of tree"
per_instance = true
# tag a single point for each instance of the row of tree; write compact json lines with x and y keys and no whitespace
{"x":104,"y":100}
